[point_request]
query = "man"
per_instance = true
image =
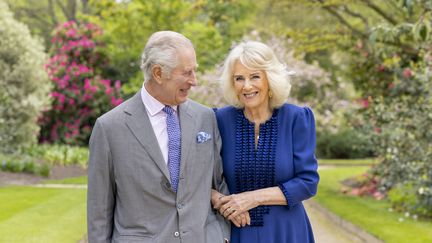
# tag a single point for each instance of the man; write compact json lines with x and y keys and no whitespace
{"x":154,"y":158}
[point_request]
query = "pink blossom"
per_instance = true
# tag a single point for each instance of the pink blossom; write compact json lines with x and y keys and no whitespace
{"x":71,"y":101}
{"x":117,"y":85}
{"x":55,"y":94}
{"x":61,"y":98}
{"x":377,"y":130}
{"x":87,"y":84}
{"x":68,"y":24}
{"x":364,"y":103}
{"x":381,"y":68}
{"x":116,"y":102}
{"x":71,"y":33}
{"x":407,"y":73}
{"x":108,"y":90}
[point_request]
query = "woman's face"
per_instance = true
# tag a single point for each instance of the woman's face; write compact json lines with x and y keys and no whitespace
{"x":251,"y":87}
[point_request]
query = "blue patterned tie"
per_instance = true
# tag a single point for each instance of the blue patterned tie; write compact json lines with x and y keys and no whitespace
{"x":174,"y":149}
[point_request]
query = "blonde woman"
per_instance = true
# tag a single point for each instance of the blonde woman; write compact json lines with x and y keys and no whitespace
{"x":268,"y":150}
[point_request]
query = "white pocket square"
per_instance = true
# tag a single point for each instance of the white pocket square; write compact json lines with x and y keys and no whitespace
{"x":203,"y":137}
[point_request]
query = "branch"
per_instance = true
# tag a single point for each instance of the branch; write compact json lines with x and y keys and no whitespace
{"x":32,"y":14}
{"x":357,"y":15}
{"x":85,"y":7}
{"x":64,"y":10}
{"x":344,"y":22}
{"x":71,"y":4}
{"x":380,"y":12}
{"x":51,"y":12}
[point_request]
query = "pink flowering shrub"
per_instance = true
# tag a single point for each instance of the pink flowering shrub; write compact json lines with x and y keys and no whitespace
{"x":80,"y":94}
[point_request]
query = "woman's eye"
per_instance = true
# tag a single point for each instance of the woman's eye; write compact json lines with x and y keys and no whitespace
{"x":255,"y":77}
{"x":238,"y":78}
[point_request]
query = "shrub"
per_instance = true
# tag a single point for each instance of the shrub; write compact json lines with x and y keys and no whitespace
{"x":24,"y":164}
{"x":397,"y":87}
{"x":344,"y":144}
{"x":60,"y":154}
{"x":24,"y":86}
{"x":80,"y":94}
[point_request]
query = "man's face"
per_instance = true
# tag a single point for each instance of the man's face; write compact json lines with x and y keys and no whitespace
{"x":176,"y":85}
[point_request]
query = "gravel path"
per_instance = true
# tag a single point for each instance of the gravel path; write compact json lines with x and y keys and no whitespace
{"x":325,"y":230}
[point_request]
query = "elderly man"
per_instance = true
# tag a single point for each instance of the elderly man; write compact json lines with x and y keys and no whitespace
{"x":155,"y":158}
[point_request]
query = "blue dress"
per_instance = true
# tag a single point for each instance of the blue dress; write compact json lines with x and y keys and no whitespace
{"x":284,"y":157}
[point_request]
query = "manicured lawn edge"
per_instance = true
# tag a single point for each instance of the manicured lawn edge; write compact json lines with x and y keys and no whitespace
{"x":373,"y":216}
{"x":347,"y":162}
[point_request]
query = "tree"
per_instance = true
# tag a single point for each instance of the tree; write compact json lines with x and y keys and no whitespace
{"x":24,"y":85}
{"x":386,"y":51}
{"x":211,"y":25}
{"x":43,"y":16}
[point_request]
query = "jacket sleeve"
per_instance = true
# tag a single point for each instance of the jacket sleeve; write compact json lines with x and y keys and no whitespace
{"x":101,"y":187}
{"x":219,"y":183}
{"x":304,"y":183}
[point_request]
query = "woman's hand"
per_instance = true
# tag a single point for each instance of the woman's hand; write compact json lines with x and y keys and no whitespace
{"x":237,"y":204}
{"x":241,"y":220}
{"x":215,"y":199}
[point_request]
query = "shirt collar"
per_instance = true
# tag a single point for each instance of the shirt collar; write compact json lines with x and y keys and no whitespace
{"x":152,"y":105}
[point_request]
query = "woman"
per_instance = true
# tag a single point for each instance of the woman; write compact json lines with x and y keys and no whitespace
{"x":268,"y":150}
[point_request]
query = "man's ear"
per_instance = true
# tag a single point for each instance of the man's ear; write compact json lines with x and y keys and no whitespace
{"x":156,"y":71}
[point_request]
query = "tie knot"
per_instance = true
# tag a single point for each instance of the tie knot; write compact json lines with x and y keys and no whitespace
{"x":168,"y":109}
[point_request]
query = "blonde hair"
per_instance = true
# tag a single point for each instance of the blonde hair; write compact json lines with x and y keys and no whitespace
{"x":256,"y":56}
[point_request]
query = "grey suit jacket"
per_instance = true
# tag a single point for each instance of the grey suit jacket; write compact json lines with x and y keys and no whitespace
{"x":130,"y":198}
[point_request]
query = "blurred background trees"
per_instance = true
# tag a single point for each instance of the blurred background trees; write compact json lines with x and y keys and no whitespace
{"x":24,"y":85}
{"x":363,"y":66}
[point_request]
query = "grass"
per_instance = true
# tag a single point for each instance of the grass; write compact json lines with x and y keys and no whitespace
{"x":340,"y":162}
{"x":29,"y":214}
{"x":371,"y":215}
{"x":79,"y":180}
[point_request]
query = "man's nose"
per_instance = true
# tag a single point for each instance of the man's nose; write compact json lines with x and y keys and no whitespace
{"x":193,"y":80}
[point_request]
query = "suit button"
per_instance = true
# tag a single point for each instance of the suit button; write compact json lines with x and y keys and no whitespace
{"x":176,"y":234}
{"x":179,"y":206}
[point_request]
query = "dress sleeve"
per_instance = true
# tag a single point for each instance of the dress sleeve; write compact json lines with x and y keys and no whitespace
{"x":304,"y":183}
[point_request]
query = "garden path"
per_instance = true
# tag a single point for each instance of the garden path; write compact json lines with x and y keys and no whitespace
{"x":325,"y":230}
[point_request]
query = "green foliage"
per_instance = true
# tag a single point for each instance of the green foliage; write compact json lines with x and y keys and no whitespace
{"x":24,"y":85}
{"x":39,"y":159}
{"x":211,"y":25}
{"x":24,"y":164}
{"x":396,"y":83}
{"x":344,"y":144}
{"x":60,"y":154}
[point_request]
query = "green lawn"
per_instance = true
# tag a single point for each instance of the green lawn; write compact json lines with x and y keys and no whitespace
{"x":371,"y":215}
{"x":343,"y":162}
{"x":80,"y":180}
{"x":29,"y":214}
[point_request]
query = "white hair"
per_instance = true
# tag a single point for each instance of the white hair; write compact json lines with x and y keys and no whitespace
{"x":161,"y":49}
{"x":256,"y":56}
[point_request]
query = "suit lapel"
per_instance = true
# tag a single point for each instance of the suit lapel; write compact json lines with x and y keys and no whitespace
{"x":139,"y":124}
{"x":187,"y":124}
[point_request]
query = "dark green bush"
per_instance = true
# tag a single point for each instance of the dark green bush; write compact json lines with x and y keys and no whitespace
{"x":344,"y":144}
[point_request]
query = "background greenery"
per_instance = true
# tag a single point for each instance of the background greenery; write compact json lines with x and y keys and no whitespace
{"x":363,"y":66}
